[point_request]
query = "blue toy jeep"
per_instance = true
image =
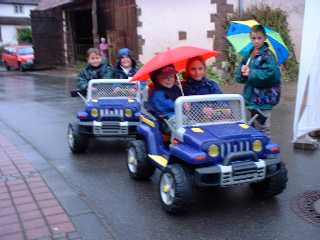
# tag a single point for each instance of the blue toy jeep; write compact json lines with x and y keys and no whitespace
{"x":112,"y":109}
{"x":210,"y":145}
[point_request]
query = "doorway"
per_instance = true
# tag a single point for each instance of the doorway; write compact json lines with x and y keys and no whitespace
{"x":82,"y":33}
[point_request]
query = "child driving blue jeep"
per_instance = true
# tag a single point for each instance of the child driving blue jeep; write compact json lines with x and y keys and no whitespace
{"x":196,"y":82}
{"x":95,"y":69}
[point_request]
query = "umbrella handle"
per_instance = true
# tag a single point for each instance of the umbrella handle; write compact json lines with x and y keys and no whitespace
{"x":179,"y":84}
{"x":248,"y":61}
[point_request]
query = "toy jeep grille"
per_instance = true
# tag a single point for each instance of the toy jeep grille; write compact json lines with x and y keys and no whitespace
{"x":218,"y":111}
{"x":99,"y":90}
{"x":239,"y":146}
{"x":111,"y":112}
{"x":110,"y":128}
{"x":242,"y":172}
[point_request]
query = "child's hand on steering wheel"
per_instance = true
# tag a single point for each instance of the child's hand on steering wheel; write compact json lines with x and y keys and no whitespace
{"x":208,"y":111}
{"x":133,"y":91}
{"x":117,"y":90}
{"x":187,"y":107}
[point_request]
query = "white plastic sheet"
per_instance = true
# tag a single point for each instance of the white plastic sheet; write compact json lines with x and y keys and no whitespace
{"x":307,"y":110}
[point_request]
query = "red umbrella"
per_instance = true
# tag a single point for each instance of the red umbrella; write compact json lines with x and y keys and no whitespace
{"x":176,"y":56}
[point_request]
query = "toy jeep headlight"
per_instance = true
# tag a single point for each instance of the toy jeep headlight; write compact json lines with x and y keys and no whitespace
{"x":213,"y":150}
{"x":257,"y":146}
{"x":94,"y":112}
{"x":128,"y":112}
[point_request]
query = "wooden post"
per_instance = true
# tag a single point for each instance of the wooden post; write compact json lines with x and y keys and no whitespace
{"x":94,"y":23}
{"x":65,"y":37}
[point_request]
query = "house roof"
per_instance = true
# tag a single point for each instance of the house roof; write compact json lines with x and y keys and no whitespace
{"x":21,"y":21}
{"x":48,"y":4}
{"x":29,"y":2}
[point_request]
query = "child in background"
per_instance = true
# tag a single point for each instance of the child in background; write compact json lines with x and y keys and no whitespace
{"x":126,"y":66}
{"x":95,"y":69}
{"x":103,"y":47}
{"x":260,"y":73}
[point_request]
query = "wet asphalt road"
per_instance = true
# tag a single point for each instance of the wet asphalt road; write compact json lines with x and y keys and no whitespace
{"x":39,"y":108}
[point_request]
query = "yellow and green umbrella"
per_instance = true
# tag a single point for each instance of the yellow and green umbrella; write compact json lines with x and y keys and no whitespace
{"x":238,"y":35}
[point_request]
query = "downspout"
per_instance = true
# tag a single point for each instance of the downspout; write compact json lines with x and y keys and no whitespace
{"x":65,"y":37}
{"x":240,"y":3}
{"x":94,"y":15}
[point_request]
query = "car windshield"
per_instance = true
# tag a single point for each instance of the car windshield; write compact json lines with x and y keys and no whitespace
{"x":203,"y":112}
{"x":99,"y":90}
{"x":25,"y":51}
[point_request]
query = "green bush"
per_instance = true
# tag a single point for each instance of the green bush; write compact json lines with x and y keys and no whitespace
{"x":2,"y":48}
{"x":275,"y":19}
{"x":213,"y":75}
{"x":25,"y":35}
{"x":80,"y":65}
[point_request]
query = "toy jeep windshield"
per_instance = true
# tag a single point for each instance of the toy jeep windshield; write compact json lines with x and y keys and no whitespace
{"x":210,"y":145}
{"x":112,"y":109}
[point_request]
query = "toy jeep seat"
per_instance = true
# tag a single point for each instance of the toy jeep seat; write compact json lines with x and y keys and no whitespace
{"x":163,"y":124}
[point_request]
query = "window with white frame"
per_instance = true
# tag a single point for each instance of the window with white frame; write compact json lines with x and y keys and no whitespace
{"x":18,"y":8}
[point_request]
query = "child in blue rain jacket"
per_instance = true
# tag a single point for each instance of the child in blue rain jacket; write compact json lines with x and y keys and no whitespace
{"x":126,"y":65}
{"x":165,"y":92}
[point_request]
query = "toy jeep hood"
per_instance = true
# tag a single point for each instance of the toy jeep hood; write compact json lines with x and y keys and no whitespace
{"x":115,"y":103}
{"x":198,"y":136}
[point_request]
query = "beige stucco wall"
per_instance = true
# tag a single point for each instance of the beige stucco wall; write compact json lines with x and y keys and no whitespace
{"x":162,"y":20}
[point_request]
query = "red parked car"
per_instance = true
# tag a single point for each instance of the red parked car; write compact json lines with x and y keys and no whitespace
{"x":18,"y":57}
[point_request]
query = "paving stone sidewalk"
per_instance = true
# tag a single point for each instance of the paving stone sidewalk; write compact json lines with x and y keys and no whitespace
{"x":28,"y":209}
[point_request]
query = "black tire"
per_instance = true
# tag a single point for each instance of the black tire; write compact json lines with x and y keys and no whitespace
{"x":78,"y":143}
{"x":138,"y":164}
{"x":271,"y":186}
{"x":180,"y":199}
{"x":6,"y":66}
{"x":21,"y":69}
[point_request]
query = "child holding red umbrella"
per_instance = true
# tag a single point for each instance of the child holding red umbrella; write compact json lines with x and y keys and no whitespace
{"x":165,"y":91}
